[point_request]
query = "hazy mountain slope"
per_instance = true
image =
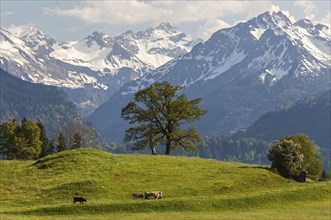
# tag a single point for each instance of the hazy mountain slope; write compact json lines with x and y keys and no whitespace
{"x":241,"y":73}
{"x":310,"y":116}
{"x":19,"y":99}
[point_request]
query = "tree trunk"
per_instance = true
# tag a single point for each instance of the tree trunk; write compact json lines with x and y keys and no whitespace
{"x":153,"y":150}
{"x":168,"y":146}
{"x":151,"y":145}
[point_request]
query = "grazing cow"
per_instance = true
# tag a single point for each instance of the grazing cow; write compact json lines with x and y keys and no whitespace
{"x":79,"y":199}
{"x":153,"y":195}
{"x":137,"y":196}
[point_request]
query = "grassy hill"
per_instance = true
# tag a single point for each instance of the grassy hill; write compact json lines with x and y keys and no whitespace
{"x":193,"y":188}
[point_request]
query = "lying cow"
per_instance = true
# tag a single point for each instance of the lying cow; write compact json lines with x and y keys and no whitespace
{"x":137,"y":196}
{"x":153,"y":195}
{"x":79,"y":199}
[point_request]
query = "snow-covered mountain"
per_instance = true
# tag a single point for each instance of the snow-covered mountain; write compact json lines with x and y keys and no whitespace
{"x":241,"y":72}
{"x":92,"y":69}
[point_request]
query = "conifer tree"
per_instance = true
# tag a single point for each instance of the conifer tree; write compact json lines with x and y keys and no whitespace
{"x":45,"y":144}
{"x":77,"y":141}
{"x":61,"y":143}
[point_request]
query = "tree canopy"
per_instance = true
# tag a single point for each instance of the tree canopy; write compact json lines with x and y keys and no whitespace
{"x":28,"y":139}
{"x":292,"y":155}
{"x":159,"y":114}
{"x":20,"y":141}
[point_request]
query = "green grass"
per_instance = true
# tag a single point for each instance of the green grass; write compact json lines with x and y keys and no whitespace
{"x":193,"y":188}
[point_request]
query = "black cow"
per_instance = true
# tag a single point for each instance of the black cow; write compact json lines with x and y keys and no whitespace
{"x":79,"y":199}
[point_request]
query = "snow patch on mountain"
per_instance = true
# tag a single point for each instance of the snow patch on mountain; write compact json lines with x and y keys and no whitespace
{"x":97,"y":61}
{"x":257,"y":32}
{"x":226,"y":64}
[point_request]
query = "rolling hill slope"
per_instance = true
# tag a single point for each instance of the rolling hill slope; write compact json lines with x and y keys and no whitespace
{"x":44,"y":188}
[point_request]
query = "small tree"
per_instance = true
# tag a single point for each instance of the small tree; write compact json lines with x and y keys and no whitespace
{"x":312,"y":159}
{"x":27,"y":143}
{"x":45,"y":144}
{"x":159,"y":114}
{"x":287,"y":158}
{"x":77,"y":141}
{"x":61,"y":143}
{"x":7,"y":138}
{"x":292,"y":155}
{"x":26,"y":140}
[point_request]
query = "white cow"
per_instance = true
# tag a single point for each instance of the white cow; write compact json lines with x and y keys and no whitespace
{"x":153,"y":195}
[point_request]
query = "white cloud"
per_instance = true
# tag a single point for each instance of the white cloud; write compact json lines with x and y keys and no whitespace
{"x":209,"y":27}
{"x":7,"y":13}
{"x":137,"y":12}
{"x":326,"y":20}
{"x":309,"y":8}
{"x":19,"y":30}
{"x":311,"y":12}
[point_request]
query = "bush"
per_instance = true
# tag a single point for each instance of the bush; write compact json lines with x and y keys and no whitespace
{"x":292,"y":155}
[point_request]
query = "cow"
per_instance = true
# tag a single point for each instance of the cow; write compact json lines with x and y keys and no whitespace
{"x":153,"y":195}
{"x":137,"y":196}
{"x":79,"y":199}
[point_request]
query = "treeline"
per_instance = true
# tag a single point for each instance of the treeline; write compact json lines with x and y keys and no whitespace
{"x":246,"y":150}
{"x":28,"y":139}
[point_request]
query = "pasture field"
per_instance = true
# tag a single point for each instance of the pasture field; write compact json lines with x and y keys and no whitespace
{"x":193,"y":188}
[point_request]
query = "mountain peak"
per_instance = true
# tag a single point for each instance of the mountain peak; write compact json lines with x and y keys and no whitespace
{"x":321,"y":27}
{"x":165,"y":26}
{"x":98,"y":33}
{"x":304,"y":23}
{"x":102,"y":39}
{"x":21,"y":30}
{"x":277,"y":18}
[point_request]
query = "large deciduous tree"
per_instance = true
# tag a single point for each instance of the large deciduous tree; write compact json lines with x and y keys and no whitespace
{"x":159,"y":114}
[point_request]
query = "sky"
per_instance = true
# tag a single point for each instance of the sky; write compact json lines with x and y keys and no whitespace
{"x":74,"y":20}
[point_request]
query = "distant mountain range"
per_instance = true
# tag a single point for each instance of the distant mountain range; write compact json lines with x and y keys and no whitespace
{"x":241,"y":72}
{"x":19,"y":99}
{"x":92,"y":69}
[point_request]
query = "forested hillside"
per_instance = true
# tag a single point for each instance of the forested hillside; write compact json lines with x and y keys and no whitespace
{"x":310,"y":116}
{"x":19,"y":99}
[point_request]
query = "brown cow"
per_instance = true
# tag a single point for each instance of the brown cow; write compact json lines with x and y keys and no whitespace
{"x":137,"y":196}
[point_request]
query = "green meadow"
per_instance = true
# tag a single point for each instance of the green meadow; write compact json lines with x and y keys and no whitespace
{"x":193,"y":188}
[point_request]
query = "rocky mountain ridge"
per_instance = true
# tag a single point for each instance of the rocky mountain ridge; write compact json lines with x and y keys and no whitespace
{"x":91,"y":69}
{"x":241,"y":72}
